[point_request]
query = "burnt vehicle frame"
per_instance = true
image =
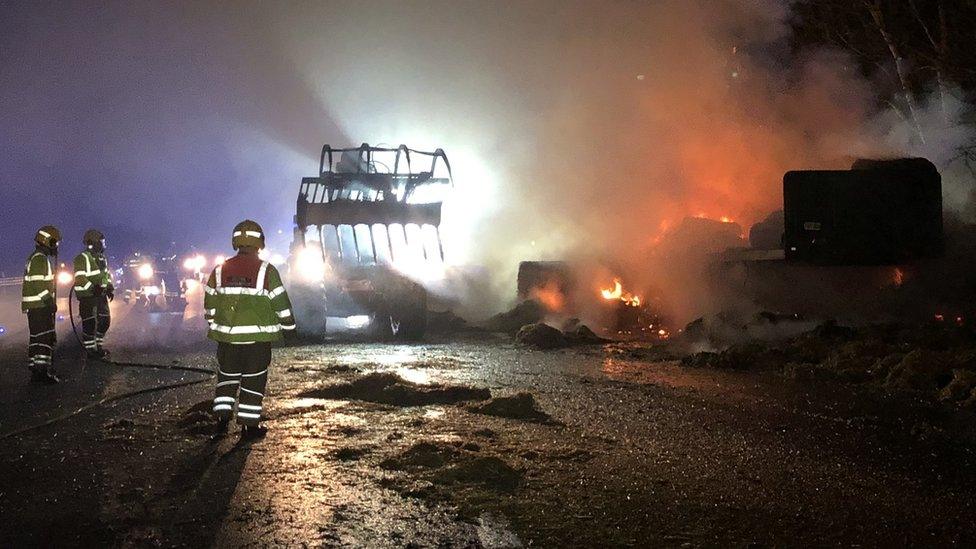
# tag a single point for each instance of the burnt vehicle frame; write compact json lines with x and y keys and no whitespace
{"x":352,"y":206}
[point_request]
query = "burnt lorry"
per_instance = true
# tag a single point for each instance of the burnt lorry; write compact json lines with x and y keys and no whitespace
{"x":365,"y":226}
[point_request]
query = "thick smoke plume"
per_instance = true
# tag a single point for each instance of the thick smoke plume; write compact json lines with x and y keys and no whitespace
{"x":578,"y":130}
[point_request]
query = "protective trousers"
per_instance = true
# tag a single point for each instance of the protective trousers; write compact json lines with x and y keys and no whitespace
{"x":95,"y":320}
{"x":242,"y":368}
{"x":40,"y":348}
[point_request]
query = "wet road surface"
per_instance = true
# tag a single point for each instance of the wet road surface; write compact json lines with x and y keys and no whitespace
{"x":634,"y":453}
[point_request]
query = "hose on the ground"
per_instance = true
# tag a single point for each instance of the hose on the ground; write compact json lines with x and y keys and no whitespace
{"x":119,"y":396}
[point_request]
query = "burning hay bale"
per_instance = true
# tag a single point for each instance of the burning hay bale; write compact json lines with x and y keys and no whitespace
{"x":520,"y":406}
{"x":388,"y":388}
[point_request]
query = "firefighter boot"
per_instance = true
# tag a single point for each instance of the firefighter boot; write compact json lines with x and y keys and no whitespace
{"x":253,"y":432}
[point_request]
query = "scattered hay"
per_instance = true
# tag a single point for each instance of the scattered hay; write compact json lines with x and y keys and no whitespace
{"x":351,"y":453}
{"x":544,"y":336}
{"x":446,"y":464}
{"x":962,"y":385}
{"x":488,"y":471}
{"x":510,"y":322}
{"x":388,"y":388}
{"x":423,"y":455}
{"x":520,"y":406}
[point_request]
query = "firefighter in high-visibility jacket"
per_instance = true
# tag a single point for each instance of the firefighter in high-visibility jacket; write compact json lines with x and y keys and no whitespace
{"x":247,"y":309}
{"x":94,"y":289}
{"x":39,"y":301}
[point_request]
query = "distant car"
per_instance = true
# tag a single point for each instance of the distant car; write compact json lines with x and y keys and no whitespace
{"x":155,"y":282}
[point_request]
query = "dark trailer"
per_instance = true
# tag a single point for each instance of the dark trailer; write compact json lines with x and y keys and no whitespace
{"x":878,"y":212}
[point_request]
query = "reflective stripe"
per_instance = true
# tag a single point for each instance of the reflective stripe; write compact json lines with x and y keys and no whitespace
{"x":217,"y":272}
{"x":276,"y":292}
{"x":223,"y":373}
{"x":252,"y":392}
{"x":255,"y":234}
{"x":210,"y":290}
{"x":42,"y":357}
{"x":256,"y":374}
{"x":248,"y":407}
{"x":248,"y":415}
{"x":83,"y":288}
{"x":245,"y":329}
{"x":284,"y":314}
{"x":231,"y":382}
{"x":38,"y":297}
{"x":287,"y":326}
{"x":210,"y":312}
{"x":262,"y":272}
{"x":224,"y":399}
{"x":45,"y":345}
{"x":35,"y":278}
{"x":45,"y":234}
{"x":39,"y":334}
{"x":88,"y":273}
{"x":219,"y":407}
{"x":241,"y":291}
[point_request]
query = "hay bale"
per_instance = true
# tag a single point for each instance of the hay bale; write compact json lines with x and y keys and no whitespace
{"x":541,"y":335}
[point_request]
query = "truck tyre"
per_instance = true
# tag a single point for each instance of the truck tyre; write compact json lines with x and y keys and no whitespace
{"x":403,"y":317}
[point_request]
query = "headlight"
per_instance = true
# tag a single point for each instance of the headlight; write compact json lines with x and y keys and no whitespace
{"x":146,"y":271}
{"x":64,"y":277}
{"x":310,"y":265}
{"x":195,"y":263}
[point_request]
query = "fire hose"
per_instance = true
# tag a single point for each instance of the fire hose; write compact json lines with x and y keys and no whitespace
{"x":119,"y":396}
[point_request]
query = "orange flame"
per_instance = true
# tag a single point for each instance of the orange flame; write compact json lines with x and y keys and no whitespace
{"x":616,"y":291}
{"x":550,"y":296}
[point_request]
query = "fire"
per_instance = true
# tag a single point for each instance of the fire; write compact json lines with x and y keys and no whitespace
{"x":897,"y":277}
{"x":616,"y":291}
{"x":550,"y":295}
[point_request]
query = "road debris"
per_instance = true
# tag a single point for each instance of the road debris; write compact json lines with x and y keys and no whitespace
{"x":391,"y":389}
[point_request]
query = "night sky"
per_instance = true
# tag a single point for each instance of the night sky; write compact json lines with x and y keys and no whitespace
{"x":156,"y":122}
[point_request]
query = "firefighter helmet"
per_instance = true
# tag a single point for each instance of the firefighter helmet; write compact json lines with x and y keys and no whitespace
{"x":248,"y":233}
{"x":48,"y":236}
{"x":93,"y":237}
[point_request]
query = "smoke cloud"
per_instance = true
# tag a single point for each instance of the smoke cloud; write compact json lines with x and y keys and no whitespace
{"x":577,"y":130}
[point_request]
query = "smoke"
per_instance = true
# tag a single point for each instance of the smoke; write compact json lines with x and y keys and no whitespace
{"x":577,"y":130}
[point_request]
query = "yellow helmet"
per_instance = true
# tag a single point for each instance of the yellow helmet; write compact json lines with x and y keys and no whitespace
{"x":248,"y":233}
{"x":93,"y":237}
{"x":48,"y":236}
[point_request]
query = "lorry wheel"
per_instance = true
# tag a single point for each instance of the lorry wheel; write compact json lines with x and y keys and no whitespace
{"x":408,"y":320}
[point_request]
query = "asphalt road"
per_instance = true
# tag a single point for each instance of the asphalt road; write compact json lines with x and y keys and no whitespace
{"x":633,"y":453}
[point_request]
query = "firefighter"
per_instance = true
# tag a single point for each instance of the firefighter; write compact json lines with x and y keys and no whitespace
{"x":247,"y":309}
{"x":94,"y":289}
{"x":39,"y":301}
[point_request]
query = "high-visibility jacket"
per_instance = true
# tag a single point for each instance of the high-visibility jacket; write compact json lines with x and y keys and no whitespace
{"x":39,"y":286}
{"x":245,"y":302}
{"x":91,"y":271}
